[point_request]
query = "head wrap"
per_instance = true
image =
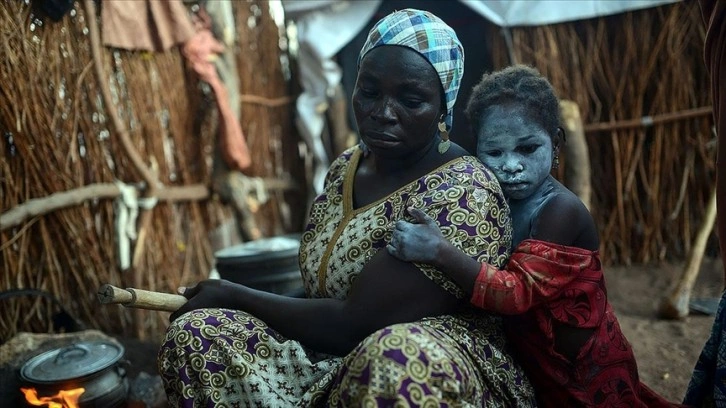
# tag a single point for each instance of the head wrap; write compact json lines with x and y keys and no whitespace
{"x":429,"y":36}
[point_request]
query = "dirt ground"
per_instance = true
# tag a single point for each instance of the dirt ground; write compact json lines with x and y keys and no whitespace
{"x":666,"y":350}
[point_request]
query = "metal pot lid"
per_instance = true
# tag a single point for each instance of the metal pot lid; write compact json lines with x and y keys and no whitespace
{"x":262,"y":246}
{"x":75,"y":361}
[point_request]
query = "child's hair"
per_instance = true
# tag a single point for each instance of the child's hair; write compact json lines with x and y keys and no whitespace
{"x":519,"y":84}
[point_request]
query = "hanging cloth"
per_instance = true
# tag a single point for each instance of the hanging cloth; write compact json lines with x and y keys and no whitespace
{"x":203,"y":53}
{"x":149,"y":25}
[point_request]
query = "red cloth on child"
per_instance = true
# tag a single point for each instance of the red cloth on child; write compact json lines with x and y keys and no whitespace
{"x":542,"y":286}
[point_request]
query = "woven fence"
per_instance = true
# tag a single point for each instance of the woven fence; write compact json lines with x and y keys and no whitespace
{"x":651,"y":177}
{"x":643,"y":91}
{"x":58,"y":135}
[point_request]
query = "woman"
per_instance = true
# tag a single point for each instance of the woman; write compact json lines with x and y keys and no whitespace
{"x":404,"y":338}
{"x":560,"y":322}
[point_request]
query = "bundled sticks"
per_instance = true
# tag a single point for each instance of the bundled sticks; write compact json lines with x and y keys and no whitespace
{"x":56,"y":135}
{"x":651,"y":184}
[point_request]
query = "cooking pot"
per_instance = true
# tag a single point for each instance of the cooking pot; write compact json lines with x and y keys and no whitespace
{"x":269,"y":264}
{"x":95,"y":366}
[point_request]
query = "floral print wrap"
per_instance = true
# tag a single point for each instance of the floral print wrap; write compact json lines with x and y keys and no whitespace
{"x":226,"y":358}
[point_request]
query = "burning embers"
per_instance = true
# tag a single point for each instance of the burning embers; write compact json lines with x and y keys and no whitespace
{"x":63,"y":399}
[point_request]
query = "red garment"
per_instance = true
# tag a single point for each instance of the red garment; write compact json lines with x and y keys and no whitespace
{"x":544,"y":285}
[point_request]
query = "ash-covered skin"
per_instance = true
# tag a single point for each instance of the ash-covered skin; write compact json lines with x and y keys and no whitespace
{"x":520,"y":153}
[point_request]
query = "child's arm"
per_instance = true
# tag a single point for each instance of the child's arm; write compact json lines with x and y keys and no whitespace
{"x":526,"y":281}
{"x":423,"y":242}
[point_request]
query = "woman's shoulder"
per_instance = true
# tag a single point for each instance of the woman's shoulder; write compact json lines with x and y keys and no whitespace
{"x":338,"y":166}
{"x":468,"y":170}
{"x":347,"y":155}
{"x":466,"y":176}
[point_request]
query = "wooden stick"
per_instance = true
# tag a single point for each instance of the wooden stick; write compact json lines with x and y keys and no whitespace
{"x":141,"y":299}
{"x":675,"y":306}
{"x":647,"y":121}
{"x":63,"y":199}
{"x":147,"y":174}
{"x":577,"y":153}
{"x":267,"y":102}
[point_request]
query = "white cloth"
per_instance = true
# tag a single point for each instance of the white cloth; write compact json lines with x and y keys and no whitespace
{"x":126,"y":207}
{"x":323,"y":28}
{"x":533,"y":13}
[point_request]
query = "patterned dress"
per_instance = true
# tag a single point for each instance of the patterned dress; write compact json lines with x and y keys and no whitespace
{"x":226,"y":358}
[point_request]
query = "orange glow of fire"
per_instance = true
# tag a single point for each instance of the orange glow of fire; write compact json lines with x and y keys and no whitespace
{"x":64,"y":398}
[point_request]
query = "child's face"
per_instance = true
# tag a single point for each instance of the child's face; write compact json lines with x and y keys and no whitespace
{"x":516,"y":148}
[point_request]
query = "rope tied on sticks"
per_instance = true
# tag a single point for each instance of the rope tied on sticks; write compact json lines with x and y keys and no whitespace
{"x":126,"y":208}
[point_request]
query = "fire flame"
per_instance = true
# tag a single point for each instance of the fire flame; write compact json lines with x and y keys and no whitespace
{"x":63,"y":399}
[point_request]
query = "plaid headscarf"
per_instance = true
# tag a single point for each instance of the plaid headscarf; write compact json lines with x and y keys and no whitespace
{"x":429,"y":36}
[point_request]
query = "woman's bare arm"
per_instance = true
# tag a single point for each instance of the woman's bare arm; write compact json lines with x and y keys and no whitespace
{"x":387,"y":291}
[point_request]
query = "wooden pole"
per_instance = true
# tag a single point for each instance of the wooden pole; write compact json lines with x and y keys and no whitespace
{"x":647,"y":121}
{"x":63,"y":199}
{"x":577,"y":167}
{"x":675,"y":306}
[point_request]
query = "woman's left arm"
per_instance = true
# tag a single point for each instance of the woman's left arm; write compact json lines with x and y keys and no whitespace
{"x":387,"y":291}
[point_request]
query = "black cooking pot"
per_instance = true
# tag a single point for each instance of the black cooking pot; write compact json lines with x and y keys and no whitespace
{"x":95,"y":366}
{"x":269,"y":264}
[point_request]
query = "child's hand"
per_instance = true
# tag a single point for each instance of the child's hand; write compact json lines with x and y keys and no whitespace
{"x":416,"y":242}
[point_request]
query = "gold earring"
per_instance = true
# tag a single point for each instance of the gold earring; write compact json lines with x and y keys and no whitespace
{"x":556,"y":161}
{"x":445,"y":142}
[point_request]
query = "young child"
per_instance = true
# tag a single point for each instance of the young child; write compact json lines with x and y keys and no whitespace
{"x":560,"y":324}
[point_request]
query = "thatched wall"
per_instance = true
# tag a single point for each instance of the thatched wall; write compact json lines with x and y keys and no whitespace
{"x":57,"y":136}
{"x":650,"y":184}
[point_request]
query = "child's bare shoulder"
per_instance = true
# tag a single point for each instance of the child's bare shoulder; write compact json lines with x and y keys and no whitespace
{"x":565,"y":220}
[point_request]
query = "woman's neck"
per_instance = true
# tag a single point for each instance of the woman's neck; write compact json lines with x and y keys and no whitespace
{"x":395,"y":165}
{"x":377,"y":177}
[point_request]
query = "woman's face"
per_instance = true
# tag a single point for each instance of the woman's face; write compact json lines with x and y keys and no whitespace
{"x":397,"y":101}
{"x":516,"y":148}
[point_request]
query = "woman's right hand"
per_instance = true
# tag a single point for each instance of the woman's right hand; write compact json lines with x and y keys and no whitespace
{"x":417,"y":242}
{"x":211,"y":293}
